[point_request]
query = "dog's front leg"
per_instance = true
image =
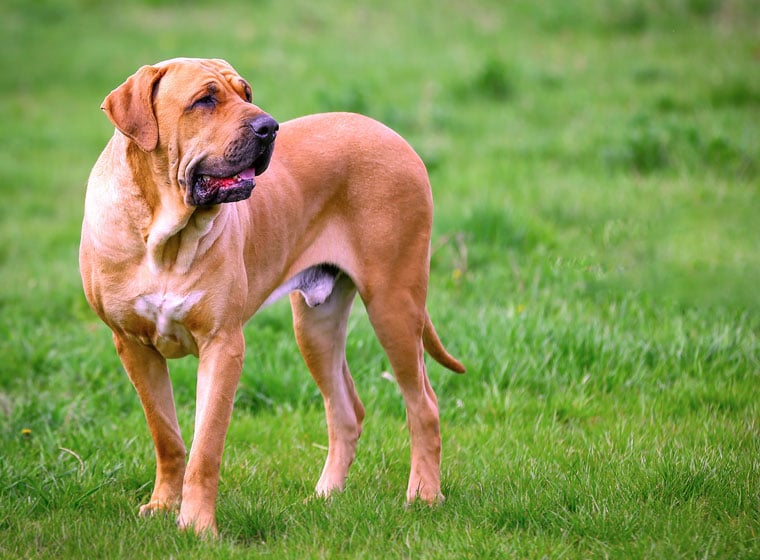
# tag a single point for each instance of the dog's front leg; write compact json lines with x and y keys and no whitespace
{"x":219,"y":368}
{"x":150,"y":376}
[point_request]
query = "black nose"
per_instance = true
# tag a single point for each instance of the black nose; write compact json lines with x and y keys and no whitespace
{"x":265,"y":128}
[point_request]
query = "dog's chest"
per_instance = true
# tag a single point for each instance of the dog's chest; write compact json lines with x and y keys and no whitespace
{"x":167,"y":311}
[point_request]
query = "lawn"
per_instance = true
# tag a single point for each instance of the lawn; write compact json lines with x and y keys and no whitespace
{"x":596,"y":255}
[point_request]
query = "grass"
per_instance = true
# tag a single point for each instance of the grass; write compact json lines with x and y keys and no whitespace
{"x":596,"y":255}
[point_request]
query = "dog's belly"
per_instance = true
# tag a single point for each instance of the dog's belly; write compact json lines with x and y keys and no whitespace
{"x":166,"y":311}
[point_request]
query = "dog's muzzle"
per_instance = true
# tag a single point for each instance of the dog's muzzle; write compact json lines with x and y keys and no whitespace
{"x":232,"y":178}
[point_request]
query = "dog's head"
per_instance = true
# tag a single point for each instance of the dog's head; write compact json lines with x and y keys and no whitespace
{"x":196,"y":116}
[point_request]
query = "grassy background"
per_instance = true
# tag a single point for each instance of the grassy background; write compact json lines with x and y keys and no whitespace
{"x":596,"y":169}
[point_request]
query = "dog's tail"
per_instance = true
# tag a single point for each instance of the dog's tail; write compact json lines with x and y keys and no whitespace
{"x":434,"y":347}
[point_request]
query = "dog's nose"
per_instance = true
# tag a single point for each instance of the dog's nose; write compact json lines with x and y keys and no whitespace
{"x":265,"y":128}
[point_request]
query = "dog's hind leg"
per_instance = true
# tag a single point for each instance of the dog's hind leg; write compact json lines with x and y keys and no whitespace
{"x":398,"y":317}
{"x":321,"y":335}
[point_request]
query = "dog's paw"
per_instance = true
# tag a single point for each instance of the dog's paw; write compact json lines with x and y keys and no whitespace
{"x":155,"y":507}
{"x":325,"y":497}
{"x":203,"y":525}
{"x":429,"y":498}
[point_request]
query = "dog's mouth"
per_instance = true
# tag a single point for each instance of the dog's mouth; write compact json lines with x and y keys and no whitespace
{"x":216,"y":190}
{"x":215,"y":187}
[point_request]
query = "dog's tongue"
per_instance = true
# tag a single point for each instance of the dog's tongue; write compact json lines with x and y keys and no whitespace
{"x":247,"y":174}
{"x":226,"y":182}
{"x":216,"y":190}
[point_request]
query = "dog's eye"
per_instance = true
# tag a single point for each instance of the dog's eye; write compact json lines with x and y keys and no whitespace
{"x":207,"y":101}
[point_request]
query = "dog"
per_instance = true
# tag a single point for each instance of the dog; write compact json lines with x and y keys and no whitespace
{"x":177,"y":254}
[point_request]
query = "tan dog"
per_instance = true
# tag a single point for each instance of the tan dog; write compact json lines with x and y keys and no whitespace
{"x":344,"y":207}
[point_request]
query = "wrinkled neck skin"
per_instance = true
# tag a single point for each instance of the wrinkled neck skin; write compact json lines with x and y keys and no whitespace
{"x":177,"y":232}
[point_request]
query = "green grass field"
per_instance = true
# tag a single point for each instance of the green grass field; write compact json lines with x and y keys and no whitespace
{"x":596,"y":171}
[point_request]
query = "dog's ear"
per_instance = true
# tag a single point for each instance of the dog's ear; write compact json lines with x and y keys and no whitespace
{"x":130,"y":107}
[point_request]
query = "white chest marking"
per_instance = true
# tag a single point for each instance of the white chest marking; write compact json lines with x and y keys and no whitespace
{"x":165,"y":310}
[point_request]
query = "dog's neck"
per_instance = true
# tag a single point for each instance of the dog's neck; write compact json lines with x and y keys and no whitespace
{"x":176,"y":232}
{"x":176,"y":237}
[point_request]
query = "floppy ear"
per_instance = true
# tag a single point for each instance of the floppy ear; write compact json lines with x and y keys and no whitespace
{"x":130,"y":107}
